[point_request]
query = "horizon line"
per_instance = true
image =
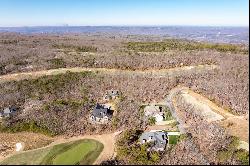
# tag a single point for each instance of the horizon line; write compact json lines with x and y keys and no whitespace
{"x":33,"y":26}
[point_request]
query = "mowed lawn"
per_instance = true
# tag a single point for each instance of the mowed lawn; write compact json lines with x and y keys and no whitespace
{"x":27,"y":158}
{"x":83,"y":151}
{"x":173,"y":139}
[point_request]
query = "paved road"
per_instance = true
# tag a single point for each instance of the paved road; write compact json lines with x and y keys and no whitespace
{"x":170,"y":105}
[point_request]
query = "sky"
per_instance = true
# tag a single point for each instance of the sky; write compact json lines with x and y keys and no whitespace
{"x":123,"y":12}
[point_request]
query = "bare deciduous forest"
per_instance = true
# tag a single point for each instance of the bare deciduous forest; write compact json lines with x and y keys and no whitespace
{"x":61,"y":104}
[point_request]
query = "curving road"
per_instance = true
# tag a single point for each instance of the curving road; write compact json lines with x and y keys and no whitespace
{"x":239,"y":125}
{"x":170,"y":105}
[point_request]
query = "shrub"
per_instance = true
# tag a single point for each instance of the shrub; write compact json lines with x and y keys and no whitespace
{"x":183,"y":137}
{"x":243,"y":156}
{"x":232,"y":151}
{"x":76,"y":48}
{"x":224,"y":155}
{"x":133,"y":153}
{"x":9,"y":41}
{"x":174,"y":124}
{"x":57,"y":63}
{"x":151,"y":120}
{"x":114,"y":122}
{"x":141,"y":110}
{"x":167,"y":114}
{"x":65,"y":104}
{"x":26,"y":126}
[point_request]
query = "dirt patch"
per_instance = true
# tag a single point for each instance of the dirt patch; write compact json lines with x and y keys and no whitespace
{"x":150,"y":72}
{"x":209,"y":103}
{"x":162,"y":127}
{"x":237,"y":126}
{"x":201,"y":108}
{"x":165,"y":122}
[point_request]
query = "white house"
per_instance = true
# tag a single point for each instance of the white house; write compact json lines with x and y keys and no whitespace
{"x":154,"y":111}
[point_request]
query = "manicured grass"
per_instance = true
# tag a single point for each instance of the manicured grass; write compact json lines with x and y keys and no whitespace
{"x":78,"y":152}
{"x":173,"y":139}
{"x":27,"y":158}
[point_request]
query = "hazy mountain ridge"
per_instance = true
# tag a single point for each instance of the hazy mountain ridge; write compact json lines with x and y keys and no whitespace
{"x":239,"y":35}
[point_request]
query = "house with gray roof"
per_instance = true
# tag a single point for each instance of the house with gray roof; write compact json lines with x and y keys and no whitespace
{"x":8,"y":112}
{"x":157,"y":139}
{"x":101,"y":114}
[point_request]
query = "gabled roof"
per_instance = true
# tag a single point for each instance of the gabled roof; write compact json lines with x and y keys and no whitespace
{"x":100,"y":111}
{"x":9,"y":110}
{"x":159,"y":138}
{"x":158,"y":135}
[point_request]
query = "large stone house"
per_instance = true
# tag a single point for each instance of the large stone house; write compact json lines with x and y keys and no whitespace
{"x":101,"y":114}
{"x":157,"y":139}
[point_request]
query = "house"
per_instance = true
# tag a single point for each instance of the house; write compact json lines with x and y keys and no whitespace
{"x":158,"y":140}
{"x":8,"y":112}
{"x":111,"y":94}
{"x":154,"y":111}
{"x":101,"y":114}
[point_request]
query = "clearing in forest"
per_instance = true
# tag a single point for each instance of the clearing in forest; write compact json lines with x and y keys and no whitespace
{"x":150,"y":72}
{"x":235,"y":125}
